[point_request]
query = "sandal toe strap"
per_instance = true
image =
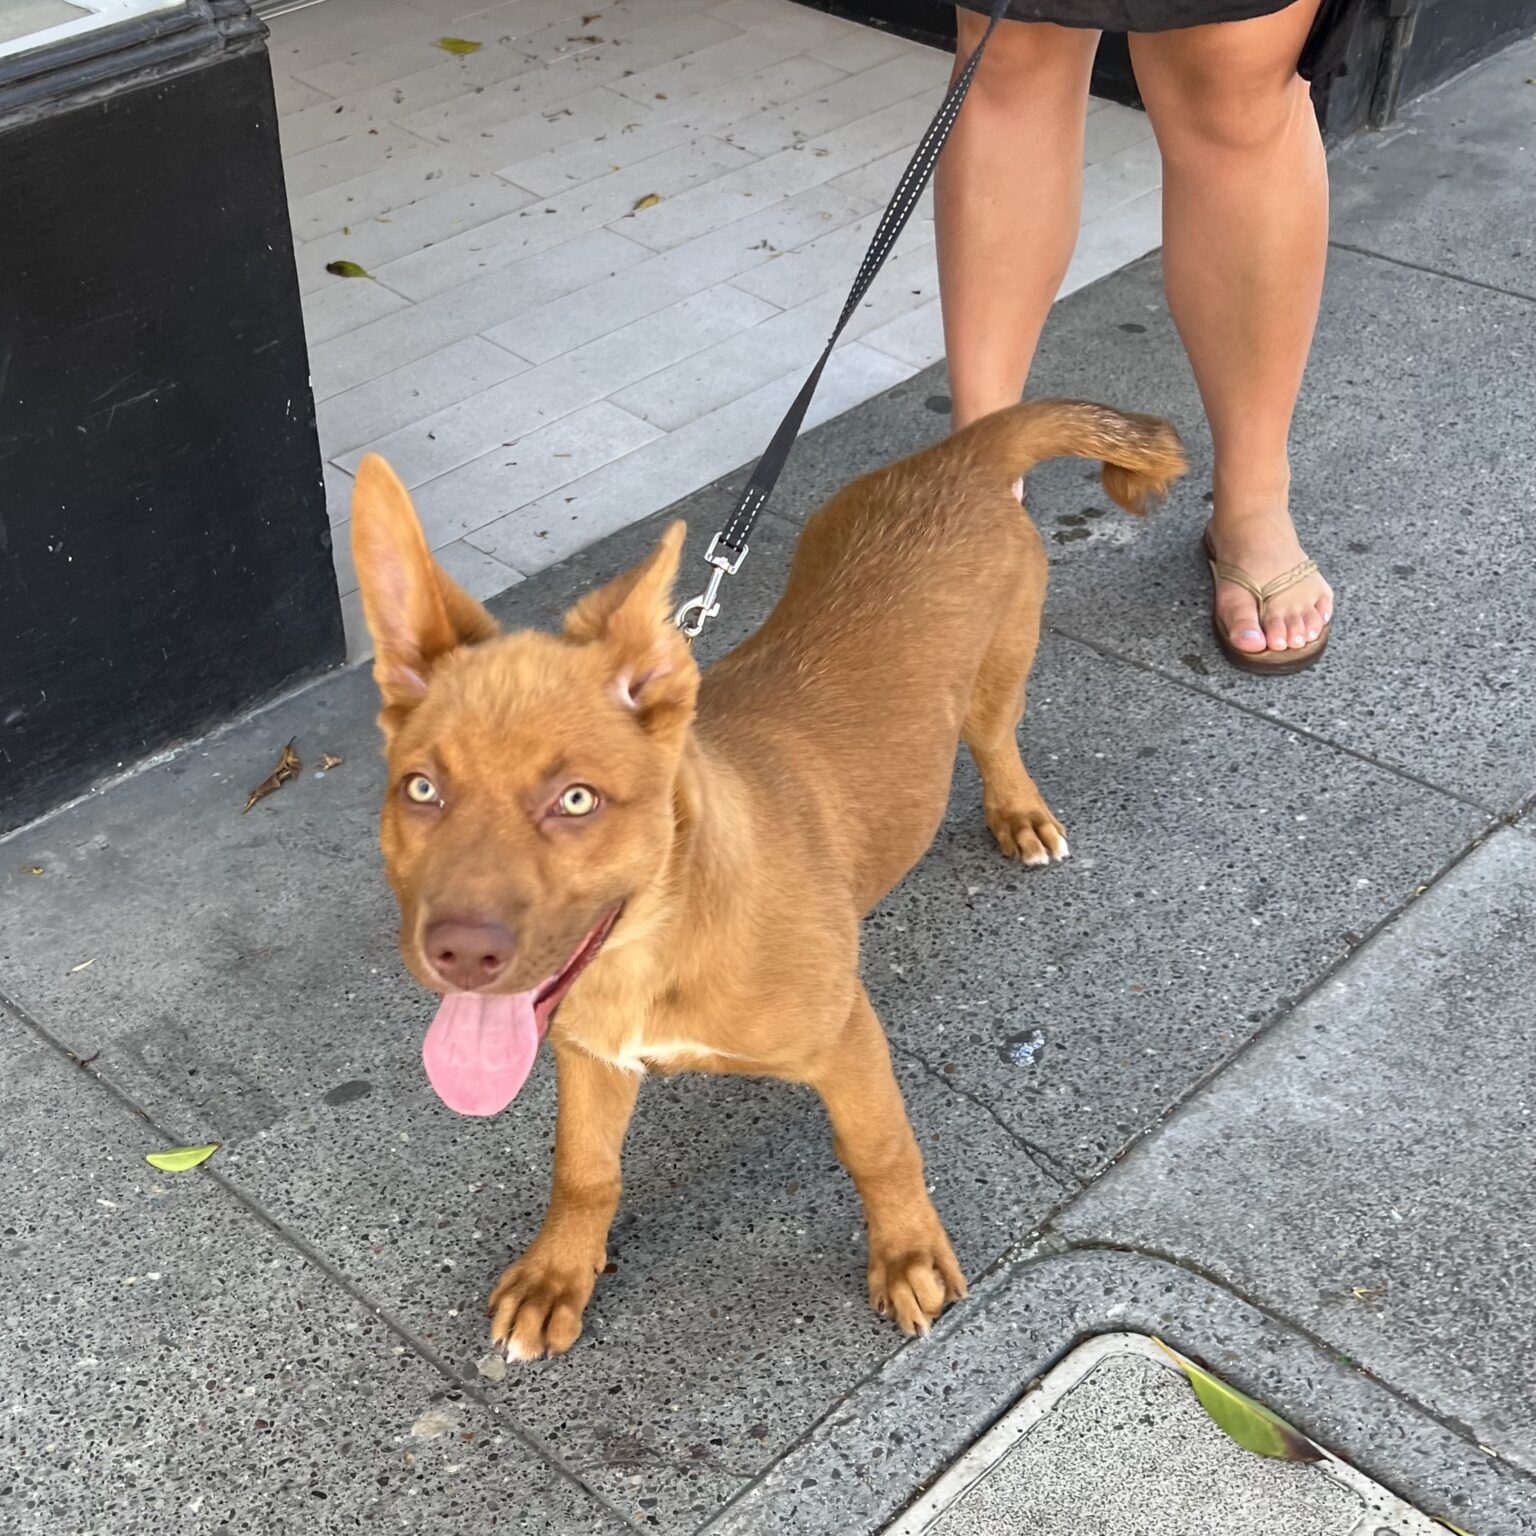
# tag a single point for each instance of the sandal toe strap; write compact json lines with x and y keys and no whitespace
{"x":1261,"y":593}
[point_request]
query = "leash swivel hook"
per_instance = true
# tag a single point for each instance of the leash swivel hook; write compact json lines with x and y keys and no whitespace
{"x":693,"y":615}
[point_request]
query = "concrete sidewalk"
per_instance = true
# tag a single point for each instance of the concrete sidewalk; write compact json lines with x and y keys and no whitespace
{"x":1282,"y":1114}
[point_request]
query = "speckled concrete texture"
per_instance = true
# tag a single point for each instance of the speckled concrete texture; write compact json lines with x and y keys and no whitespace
{"x":1384,"y":1130}
{"x":1414,"y":463}
{"x":874,"y":1450}
{"x":168,"y":1364}
{"x":1218,"y":864}
{"x":1451,"y":185}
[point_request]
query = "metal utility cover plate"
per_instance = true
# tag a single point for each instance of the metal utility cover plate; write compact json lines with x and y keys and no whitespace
{"x":1113,"y":1442}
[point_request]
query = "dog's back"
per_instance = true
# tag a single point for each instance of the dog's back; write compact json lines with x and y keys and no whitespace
{"x":859,"y":684}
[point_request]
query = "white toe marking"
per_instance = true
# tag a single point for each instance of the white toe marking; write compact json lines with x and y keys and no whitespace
{"x":515,"y":1351}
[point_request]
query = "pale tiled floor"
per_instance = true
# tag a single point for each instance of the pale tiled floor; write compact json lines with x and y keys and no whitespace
{"x":542,"y":361}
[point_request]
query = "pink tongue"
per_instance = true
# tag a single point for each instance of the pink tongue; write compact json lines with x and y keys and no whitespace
{"x":479,"y":1050}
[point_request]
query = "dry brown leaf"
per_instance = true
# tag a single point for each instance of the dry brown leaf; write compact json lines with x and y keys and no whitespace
{"x":327,"y":762}
{"x":648,"y":201}
{"x":35,"y":869}
{"x":287,"y":765}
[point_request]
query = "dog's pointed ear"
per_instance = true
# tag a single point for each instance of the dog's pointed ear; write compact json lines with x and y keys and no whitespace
{"x":653,"y":668}
{"x":414,"y":610}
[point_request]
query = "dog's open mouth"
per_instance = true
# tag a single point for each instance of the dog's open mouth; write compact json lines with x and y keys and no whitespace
{"x":480,"y":1048}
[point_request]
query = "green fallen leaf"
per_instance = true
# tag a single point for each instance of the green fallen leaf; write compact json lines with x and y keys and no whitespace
{"x":458,"y":45}
{"x":1252,"y":1425}
{"x":347,"y":269}
{"x":180,"y":1159}
{"x":648,"y":201}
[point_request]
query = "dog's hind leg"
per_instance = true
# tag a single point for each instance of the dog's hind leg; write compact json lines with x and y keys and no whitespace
{"x":1015,"y":810}
{"x":913,"y":1272}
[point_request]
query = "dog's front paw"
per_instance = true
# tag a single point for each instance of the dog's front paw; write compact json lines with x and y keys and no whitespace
{"x":914,"y":1281}
{"x":1030,"y":834}
{"x":537,"y":1304}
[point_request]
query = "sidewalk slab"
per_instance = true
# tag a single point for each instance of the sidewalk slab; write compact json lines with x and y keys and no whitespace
{"x":1365,"y":1169}
{"x":168,"y":1365}
{"x":1452,"y":183}
{"x":873,"y":1451}
{"x":1414,"y":495}
{"x":244,"y":987}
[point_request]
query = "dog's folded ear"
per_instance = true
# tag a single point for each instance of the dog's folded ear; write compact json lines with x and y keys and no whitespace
{"x":414,"y":610}
{"x":631,"y":617}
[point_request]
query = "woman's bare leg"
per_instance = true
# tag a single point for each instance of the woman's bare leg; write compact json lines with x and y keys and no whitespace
{"x":1007,"y":200}
{"x":1245,"y":237}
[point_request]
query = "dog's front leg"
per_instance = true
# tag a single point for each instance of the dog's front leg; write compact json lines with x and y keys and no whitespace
{"x":537,"y":1304}
{"x":913,"y":1272}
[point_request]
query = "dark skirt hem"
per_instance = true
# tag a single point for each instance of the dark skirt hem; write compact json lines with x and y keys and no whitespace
{"x":1149,"y":16}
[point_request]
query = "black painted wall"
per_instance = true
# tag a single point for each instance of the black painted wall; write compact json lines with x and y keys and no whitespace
{"x":164,"y":548}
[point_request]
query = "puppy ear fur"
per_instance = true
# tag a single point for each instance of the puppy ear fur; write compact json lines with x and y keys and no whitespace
{"x":653,"y":669}
{"x":415,"y":612}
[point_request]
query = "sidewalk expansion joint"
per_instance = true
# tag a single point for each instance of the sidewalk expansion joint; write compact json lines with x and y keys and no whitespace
{"x":1283,"y":1010}
{"x":1278,"y":722}
{"x":1418,"y":266}
{"x":1281,"y":1320}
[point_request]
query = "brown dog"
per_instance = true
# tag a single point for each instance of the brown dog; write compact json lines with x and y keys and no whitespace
{"x":682,"y":862}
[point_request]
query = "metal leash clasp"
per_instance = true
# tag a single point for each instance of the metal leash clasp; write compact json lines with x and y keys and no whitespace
{"x":698,"y":611}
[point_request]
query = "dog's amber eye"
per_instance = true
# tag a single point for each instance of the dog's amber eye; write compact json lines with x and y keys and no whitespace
{"x":420,"y":790}
{"x":578,"y":800}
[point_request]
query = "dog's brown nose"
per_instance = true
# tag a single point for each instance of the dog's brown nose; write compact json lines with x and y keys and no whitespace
{"x":468,"y":956}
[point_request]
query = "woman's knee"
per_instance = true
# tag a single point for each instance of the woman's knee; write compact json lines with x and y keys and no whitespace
{"x":1204,"y":92}
{"x":1026,"y":62}
{"x":1235,"y":118}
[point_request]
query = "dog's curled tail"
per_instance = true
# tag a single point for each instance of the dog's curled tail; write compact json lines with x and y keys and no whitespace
{"x":1142,"y":454}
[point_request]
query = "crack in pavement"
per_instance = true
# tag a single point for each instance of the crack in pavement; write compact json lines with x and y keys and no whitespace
{"x":1059,"y":1175}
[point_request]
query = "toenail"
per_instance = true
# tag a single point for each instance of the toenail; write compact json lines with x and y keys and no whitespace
{"x":1311,"y":634}
{"x":1250,"y":634}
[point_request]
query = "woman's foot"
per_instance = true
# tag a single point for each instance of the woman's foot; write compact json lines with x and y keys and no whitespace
{"x":1265,"y":545}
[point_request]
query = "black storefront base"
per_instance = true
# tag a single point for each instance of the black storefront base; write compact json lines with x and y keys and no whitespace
{"x":164,"y":548}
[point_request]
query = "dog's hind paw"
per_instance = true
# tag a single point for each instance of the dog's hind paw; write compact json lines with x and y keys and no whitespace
{"x":1032,"y":837}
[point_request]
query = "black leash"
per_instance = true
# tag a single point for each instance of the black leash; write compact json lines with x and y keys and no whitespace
{"x":728,"y":548}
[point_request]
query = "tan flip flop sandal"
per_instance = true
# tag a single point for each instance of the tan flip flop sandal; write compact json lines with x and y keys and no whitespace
{"x":1271,"y":663}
